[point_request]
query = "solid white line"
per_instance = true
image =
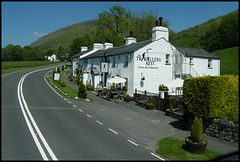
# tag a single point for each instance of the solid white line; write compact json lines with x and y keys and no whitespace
{"x":89,"y":116}
{"x":21,"y":96}
{"x":133,"y":142}
{"x":30,"y":127}
{"x":98,"y":122}
{"x":157,"y":156}
{"x":113,"y":131}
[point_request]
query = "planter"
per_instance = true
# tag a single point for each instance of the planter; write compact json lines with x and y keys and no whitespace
{"x":82,"y":95}
{"x":195,"y":148}
{"x":127,"y":99}
{"x":90,"y":88}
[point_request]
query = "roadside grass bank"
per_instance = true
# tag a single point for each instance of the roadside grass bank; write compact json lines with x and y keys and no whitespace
{"x":170,"y":147}
{"x":65,"y":91}
{"x":13,"y":66}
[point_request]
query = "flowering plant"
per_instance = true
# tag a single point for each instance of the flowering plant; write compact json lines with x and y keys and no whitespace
{"x":225,"y":123}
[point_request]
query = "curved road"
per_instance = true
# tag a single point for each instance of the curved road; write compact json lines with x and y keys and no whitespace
{"x":38,"y":124}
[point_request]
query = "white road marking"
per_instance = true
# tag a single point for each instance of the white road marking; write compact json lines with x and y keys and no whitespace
{"x":80,"y":110}
{"x":157,"y":156}
{"x":74,"y":106}
{"x":89,"y":116}
{"x":113,"y":130}
{"x":98,"y":122}
{"x":132,"y":142}
{"x":30,"y":121}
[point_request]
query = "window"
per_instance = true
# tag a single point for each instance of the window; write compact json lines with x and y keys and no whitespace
{"x":114,"y":61}
{"x":126,"y":61}
{"x":167,"y":59}
{"x":209,"y":63}
{"x":85,"y":62}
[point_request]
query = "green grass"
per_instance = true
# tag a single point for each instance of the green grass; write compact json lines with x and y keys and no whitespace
{"x":172,"y":148}
{"x":229,"y":60}
{"x":65,"y":91}
{"x":13,"y":66}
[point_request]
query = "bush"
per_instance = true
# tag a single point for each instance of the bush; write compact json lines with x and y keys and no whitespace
{"x":81,"y":87}
{"x":196,"y":129}
{"x":127,"y":96}
{"x":62,"y":82}
{"x":58,"y":69}
{"x":212,"y":96}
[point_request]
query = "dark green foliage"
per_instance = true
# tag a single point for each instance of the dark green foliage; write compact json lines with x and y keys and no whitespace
{"x":62,"y":82}
{"x":212,"y":96}
{"x":81,"y":87}
{"x":196,"y":129}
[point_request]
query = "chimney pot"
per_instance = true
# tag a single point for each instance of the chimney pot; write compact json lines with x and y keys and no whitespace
{"x":160,"y":19}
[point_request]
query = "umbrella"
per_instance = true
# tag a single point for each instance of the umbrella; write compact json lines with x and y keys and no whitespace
{"x":116,"y":80}
{"x":176,"y":83}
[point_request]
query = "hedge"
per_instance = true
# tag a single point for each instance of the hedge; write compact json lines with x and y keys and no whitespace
{"x":212,"y":96}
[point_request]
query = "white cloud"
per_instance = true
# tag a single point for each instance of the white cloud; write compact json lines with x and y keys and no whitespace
{"x":39,"y":34}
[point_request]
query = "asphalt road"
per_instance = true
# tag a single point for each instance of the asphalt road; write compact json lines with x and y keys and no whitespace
{"x":61,"y":128}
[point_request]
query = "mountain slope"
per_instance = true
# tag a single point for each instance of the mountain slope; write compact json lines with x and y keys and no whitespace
{"x":64,"y":36}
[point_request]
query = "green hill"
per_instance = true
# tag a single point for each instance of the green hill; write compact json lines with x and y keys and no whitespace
{"x":64,"y":36}
{"x":229,"y":60}
{"x":188,"y":36}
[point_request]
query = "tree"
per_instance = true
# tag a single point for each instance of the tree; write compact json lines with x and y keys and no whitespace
{"x":113,"y":24}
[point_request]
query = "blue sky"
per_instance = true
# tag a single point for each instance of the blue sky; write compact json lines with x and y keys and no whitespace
{"x":25,"y":22}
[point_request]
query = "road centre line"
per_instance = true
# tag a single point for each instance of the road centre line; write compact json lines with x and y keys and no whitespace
{"x":30,"y":120}
{"x":132,"y":142}
{"x":74,"y":106}
{"x":89,"y":116}
{"x":80,"y":110}
{"x":113,"y":130}
{"x":99,"y":122}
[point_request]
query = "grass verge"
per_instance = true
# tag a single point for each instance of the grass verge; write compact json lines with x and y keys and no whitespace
{"x":172,"y":148}
{"x":65,"y":91}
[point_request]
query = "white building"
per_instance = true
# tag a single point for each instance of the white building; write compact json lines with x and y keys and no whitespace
{"x":145,"y":64}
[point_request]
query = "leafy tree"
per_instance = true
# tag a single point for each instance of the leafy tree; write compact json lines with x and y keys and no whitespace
{"x":113,"y":24}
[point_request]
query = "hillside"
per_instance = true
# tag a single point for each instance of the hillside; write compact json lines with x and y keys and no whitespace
{"x":64,"y":36}
{"x":188,"y":36}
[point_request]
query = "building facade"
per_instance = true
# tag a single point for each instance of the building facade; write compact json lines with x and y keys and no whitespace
{"x":145,"y":65}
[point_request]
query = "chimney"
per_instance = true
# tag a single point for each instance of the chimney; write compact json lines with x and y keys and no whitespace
{"x":160,"y":19}
{"x":130,"y":39}
{"x":160,"y":32}
{"x":108,"y":45}
{"x":84,"y":48}
{"x":97,"y":46}
{"x":156,"y":23}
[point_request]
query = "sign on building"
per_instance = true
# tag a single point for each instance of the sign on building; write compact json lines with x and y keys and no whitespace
{"x":104,"y":67}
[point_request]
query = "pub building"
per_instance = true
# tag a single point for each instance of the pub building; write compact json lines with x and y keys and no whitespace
{"x":145,"y":65}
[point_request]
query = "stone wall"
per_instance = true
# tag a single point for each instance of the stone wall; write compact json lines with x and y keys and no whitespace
{"x":215,"y":128}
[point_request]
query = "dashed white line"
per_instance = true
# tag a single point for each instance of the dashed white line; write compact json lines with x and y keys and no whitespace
{"x":74,"y":106}
{"x":80,"y":110}
{"x":132,"y":142}
{"x":112,"y":130}
{"x":89,"y":116}
{"x":98,"y":122}
{"x":157,"y":156}
{"x":69,"y":102}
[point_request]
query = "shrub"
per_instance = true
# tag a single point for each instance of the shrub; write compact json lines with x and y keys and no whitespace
{"x":127,"y":96}
{"x":81,"y":87}
{"x":196,"y":129}
{"x":62,"y":82}
{"x":58,"y":69}
{"x":212,"y":96}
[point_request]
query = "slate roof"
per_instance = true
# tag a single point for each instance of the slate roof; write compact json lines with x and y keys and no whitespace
{"x":119,"y":50}
{"x":81,"y":53}
{"x":196,"y":52}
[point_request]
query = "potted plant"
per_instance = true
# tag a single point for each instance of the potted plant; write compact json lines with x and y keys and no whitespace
{"x":162,"y":87}
{"x":195,"y":143}
{"x":89,"y":87}
{"x":149,"y":106}
{"x":82,"y":90}
{"x":127,"y":97}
